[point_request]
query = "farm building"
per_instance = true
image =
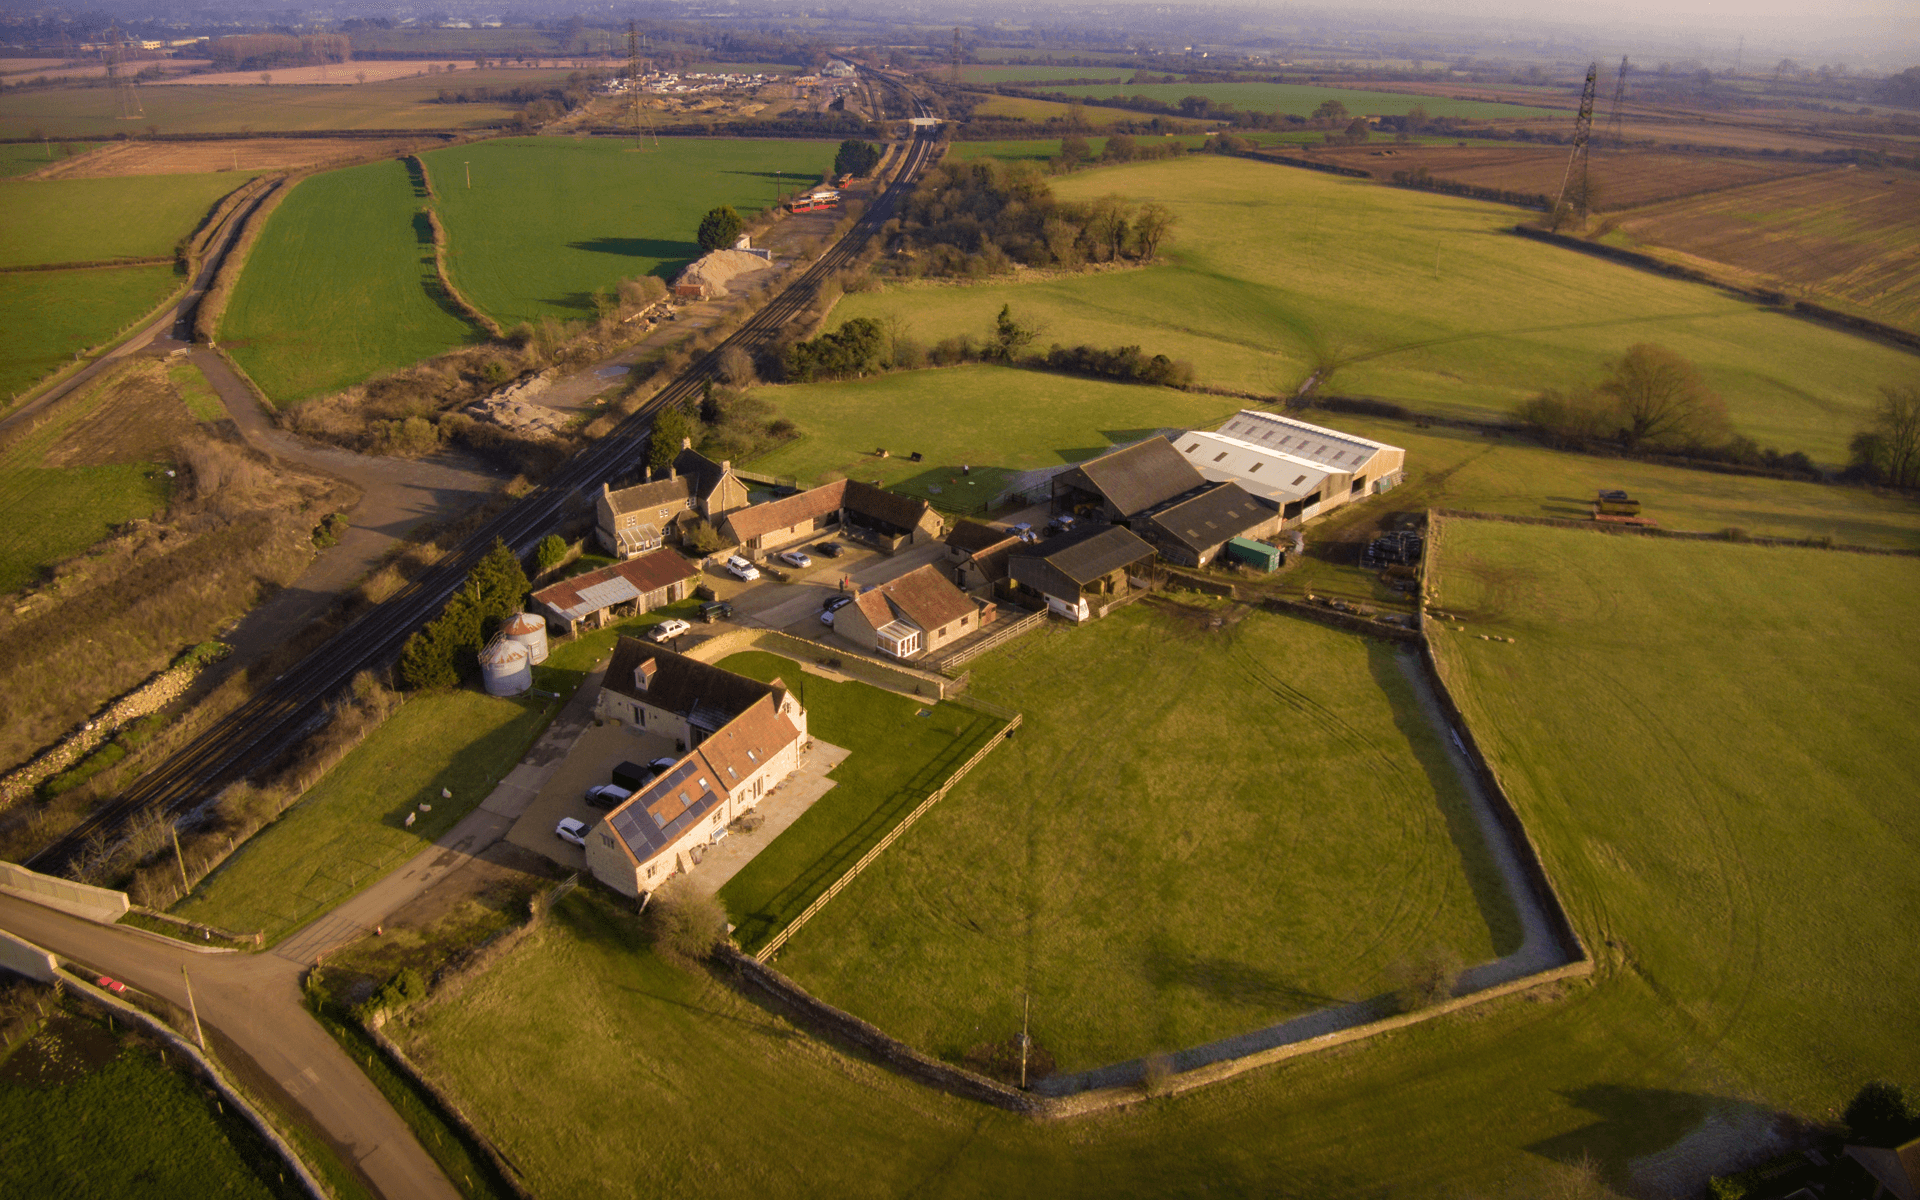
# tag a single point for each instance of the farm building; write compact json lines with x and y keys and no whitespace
{"x":643,"y":517}
{"x":1116,"y":486}
{"x":977,"y":555}
{"x":887,"y":519}
{"x":912,"y":616}
{"x":638,"y":585}
{"x":1192,"y":532}
{"x":740,"y":737}
{"x":1082,"y":574}
{"x":1300,"y":469}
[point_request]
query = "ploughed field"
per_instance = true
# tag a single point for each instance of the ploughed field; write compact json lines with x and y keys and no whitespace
{"x":1847,"y":236}
{"x":248,"y":155}
{"x":1706,"y":739}
{"x":1300,"y":99}
{"x":1271,"y":274}
{"x":1194,"y":834}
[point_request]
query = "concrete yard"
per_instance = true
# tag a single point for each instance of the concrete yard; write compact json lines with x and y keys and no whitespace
{"x":594,"y":755}
{"x":781,"y":807}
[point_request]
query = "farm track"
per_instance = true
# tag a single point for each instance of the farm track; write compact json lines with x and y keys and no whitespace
{"x":295,"y":703}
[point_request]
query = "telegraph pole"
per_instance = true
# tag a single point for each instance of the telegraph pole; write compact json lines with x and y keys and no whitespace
{"x":193,"y":1008}
{"x":179,"y":859}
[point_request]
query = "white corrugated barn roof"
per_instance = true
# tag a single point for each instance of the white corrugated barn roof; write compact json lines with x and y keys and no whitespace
{"x":1281,"y":478}
{"x":1331,"y":449}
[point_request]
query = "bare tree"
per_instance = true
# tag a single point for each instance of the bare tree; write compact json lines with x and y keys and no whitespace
{"x":1150,"y":228}
{"x":1661,"y":397}
{"x":1896,"y":422}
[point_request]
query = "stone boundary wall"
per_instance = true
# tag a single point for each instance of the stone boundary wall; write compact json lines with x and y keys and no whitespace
{"x":75,"y":986}
{"x":1656,"y":532}
{"x":24,"y":958}
{"x":401,"y":1063}
{"x":1350,"y":622}
{"x":150,"y":697}
{"x":100,"y":905}
{"x":853,"y":664}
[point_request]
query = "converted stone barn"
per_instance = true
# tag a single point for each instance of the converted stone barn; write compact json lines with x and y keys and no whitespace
{"x":740,"y":738}
{"x":1300,"y":469}
{"x":886,"y":519}
{"x":1192,"y":532}
{"x":639,"y":585}
{"x":912,"y":616}
{"x":647,"y":515}
{"x":1083,"y":574}
{"x":977,"y":556}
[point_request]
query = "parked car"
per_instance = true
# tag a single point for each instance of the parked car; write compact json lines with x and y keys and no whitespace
{"x":826,"y":618}
{"x":666,"y":631}
{"x":662,"y":763}
{"x":1065,"y":523}
{"x":605,"y":797}
{"x":716,"y":611}
{"x":111,"y":984}
{"x":836,"y":602}
{"x":830,"y":549}
{"x":571,"y":830}
{"x":795,"y":558}
{"x":742,"y":569}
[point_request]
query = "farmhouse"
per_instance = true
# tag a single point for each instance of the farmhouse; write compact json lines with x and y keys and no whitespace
{"x":1082,"y":574}
{"x":911,"y":616}
{"x":977,"y":555}
{"x":887,"y":519}
{"x":1116,"y":486}
{"x":740,"y":739}
{"x":654,"y":579}
{"x":1300,"y":469}
{"x":1192,"y":532}
{"x":641,"y":518}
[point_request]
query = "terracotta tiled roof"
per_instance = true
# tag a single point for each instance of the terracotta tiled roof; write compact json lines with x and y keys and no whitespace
{"x":747,"y":742}
{"x":749,"y":523}
{"x":623,"y":581}
{"x":923,"y":596}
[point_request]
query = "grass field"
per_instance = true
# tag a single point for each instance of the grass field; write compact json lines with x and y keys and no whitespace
{"x":1419,"y":298}
{"x":392,"y":104}
{"x":1042,"y":149}
{"x":85,"y":1111}
{"x":19,"y":158}
{"x":548,"y":220}
{"x":348,"y":830}
{"x":1844,"y":236}
{"x":1704,"y":739}
{"x":976,"y":73}
{"x":200,"y":398}
{"x":1159,"y":872}
{"x":1036,"y":420}
{"x":1023,"y":108}
{"x":340,"y":286}
{"x":1622,"y":179}
{"x":66,"y":485}
{"x":87,"y":220}
{"x":901,"y":751}
{"x":1300,"y":99}
{"x":52,"y":315}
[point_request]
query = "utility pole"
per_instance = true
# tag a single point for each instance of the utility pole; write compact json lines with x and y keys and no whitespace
{"x":469,"y":167}
{"x":179,"y":859}
{"x":1026,"y":1010}
{"x":193,"y":1008}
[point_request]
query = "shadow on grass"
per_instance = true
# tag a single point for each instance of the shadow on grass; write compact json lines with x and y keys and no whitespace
{"x":1634,"y":1122}
{"x":1227,"y":981}
{"x":1450,"y":795}
{"x":661,"y":248}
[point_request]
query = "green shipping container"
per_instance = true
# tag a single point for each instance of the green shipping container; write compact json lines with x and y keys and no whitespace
{"x":1257,"y":555}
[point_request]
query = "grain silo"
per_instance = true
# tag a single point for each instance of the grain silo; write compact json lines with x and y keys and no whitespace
{"x":530,"y":630}
{"x":504,"y":667}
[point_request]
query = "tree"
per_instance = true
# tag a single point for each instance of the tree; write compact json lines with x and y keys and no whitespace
{"x":1330,"y":111}
{"x":1010,"y":337}
{"x":1074,"y":151}
{"x":1880,"y":1115}
{"x":1150,"y":228}
{"x":685,"y":926}
{"x":1195,"y":106}
{"x":1415,"y":120}
{"x":1358,"y":130}
{"x":499,"y":583}
{"x":671,"y":429}
{"x":851,"y":350}
{"x":1661,"y":398}
{"x":1120,"y":148}
{"x":719,"y":229}
{"x":855,"y":157}
{"x":1891,"y":443}
{"x":551,"y":550}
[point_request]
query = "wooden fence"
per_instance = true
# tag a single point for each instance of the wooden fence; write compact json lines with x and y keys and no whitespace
{"x":780,"y":939}
{"x":998,"y":637}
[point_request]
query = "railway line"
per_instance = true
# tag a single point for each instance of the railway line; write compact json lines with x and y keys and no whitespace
{"x":294,"y":704}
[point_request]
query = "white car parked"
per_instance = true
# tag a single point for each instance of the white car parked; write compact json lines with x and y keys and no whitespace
{"x":795,"y":558}
{"x":571,"y":830}
{"x":742,"y":569}
{"x":666,"y":631}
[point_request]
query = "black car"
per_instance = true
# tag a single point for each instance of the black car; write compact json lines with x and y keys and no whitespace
{"x":836,"y":603}
{"x":830,"y":549}
{"x":719,"y":610}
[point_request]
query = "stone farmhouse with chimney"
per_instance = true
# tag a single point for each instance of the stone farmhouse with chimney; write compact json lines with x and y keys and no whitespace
{"x":739,"y":739}
{"x":647,"y":515}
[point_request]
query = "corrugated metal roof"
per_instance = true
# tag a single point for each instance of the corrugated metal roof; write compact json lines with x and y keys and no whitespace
{"x":1261,"y":470}
{"x":1329,"y":448}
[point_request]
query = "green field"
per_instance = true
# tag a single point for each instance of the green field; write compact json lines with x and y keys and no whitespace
{"x":548,"y":220}
{"x":1271,"y":842}
{"x":1024,"y":108}
{"x":901,"y":751}
{"x":349,"y":829}
{"x":52,"y":315}
{"x":1706,"y":739}
{"x":1419,"y":298}
{"x":198,"y":395}
{"x":974,"y":73}
{"x":89,"y":220}
{"x":87,"y":1111}
{"x":1042,"y":149}
{"x":340,"y":287}
{"x":1300,"y":99}
{"x":1031,"y":420}
{"x":19,"y":158}
{"x":49,"y":513}
{"x":213,"y":108}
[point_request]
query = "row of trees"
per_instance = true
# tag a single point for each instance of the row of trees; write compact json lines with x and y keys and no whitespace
{"x":1076,"y":151}
{"x":981,"y":217}
{"x":447,"y":649}
{"x":1887,"y":451}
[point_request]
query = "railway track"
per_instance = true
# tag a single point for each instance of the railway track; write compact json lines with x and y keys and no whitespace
{"x":296,"y":703}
